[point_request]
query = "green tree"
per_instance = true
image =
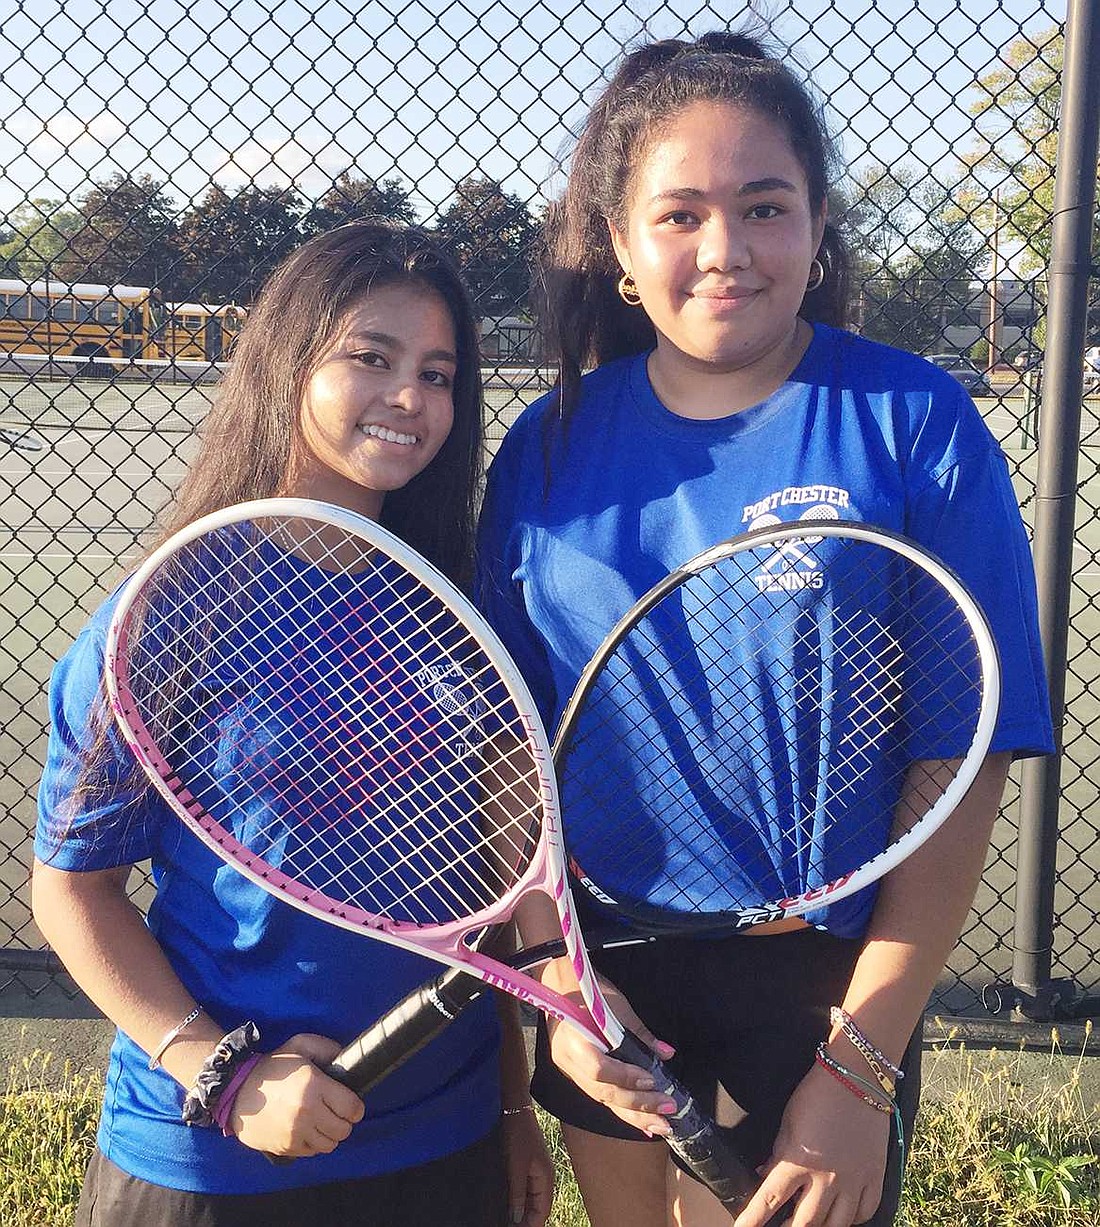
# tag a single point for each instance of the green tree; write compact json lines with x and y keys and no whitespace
{"x":351,"y":197}
{"x":880,"y":214}
{"x":1016,"y":109}
{"x":127,"y":234}
{"x":489,"y":232}
{"x":229,"y":244}
{"x":38,"y":232}
{"x":915,"y":255}
{"x":9,"y":246}
{"x":949,"y":257}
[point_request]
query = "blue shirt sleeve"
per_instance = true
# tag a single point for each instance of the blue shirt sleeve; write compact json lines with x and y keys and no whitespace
{"x":112,"y":822}
{"x":244,"y":954}
{"x":967,"y":514}
{"x":498,"y":591}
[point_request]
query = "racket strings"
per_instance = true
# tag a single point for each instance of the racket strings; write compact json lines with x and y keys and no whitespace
{"x":762,"y":737}
{"x":352,"y":730}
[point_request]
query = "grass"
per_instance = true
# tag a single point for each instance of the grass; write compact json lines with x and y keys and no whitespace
{"x":996,"y":1149}
{"x":47,"y":1131}
{"x":993,"y":1149}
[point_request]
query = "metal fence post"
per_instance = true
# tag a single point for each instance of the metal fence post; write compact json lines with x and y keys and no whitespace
{"x":1037,"y":996}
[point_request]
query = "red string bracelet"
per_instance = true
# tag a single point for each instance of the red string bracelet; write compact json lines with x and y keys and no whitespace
{"x":845,"y":1076}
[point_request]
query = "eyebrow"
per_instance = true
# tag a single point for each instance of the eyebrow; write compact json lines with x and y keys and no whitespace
{"x":774,"y":184}
{"x":766,"y":185}
{"x":385,"y":339}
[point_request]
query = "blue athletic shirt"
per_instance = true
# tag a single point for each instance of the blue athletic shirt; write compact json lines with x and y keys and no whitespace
{"x":244,"y":954}
{"x":859,"y":431}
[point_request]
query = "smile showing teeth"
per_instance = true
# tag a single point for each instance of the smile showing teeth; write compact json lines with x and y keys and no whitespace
{"x":387,"y":435}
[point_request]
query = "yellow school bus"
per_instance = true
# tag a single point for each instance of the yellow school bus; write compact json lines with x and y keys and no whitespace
{"x":200,"y":332}
{"x":81,"y":319}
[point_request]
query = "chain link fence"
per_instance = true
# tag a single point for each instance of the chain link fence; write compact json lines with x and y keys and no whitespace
{"x":160,"y":157}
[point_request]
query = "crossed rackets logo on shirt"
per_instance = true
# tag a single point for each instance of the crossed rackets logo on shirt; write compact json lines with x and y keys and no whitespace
{"x":455,"y":693}
{"x":793,"y":567}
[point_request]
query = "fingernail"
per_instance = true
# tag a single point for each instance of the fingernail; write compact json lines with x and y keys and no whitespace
{"x":664,"y":1051}
{"x":658,"y":1131}
{"x":667,"y":1108}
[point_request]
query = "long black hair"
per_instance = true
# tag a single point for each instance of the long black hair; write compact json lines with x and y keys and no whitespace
{"x":584,"y":320}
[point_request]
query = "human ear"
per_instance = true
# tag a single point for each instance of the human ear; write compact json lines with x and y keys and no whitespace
{"x":619,"y":245}
{"x":821,"y":216}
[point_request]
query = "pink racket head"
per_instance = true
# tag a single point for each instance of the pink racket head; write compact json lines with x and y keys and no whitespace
{"x":329,"y":715}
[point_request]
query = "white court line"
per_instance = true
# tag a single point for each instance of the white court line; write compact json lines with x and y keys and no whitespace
{"x":1085,"y":572}
{"x":69,"y":555}
{"x":85,"y":473}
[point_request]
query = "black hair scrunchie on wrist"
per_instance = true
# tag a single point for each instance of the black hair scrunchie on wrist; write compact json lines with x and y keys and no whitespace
{"x":217,"y":1072}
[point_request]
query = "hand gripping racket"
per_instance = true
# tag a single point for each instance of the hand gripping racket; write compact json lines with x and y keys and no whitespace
{"x":331,"y":717}
{"x":770,"y":729}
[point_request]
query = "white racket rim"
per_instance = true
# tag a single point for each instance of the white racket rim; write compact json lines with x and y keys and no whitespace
{"x":545,"y":873}
{"x":969,"y":766}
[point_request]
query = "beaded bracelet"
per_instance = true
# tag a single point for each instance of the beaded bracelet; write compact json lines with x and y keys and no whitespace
{"x":217,"y":1072}
{"x":876,"y":1060}
{"x":170,"y":1035}
{"x":851,"y":1081}
{"x":865,"y":1091}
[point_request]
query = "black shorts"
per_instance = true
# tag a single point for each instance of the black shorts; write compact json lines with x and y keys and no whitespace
{"x":467,"y":1189}
{"x":743,"y":1013}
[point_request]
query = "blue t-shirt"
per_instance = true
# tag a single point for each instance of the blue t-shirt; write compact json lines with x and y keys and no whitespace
{"x":243,"y":953}
{"x":859,"y":431}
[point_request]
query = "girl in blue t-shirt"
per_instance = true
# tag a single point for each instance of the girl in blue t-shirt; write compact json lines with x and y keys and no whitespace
{"x":692,"y":263}
{"x":355,"y":381}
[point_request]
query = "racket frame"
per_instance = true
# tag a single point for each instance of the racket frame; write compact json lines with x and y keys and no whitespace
{"x":546,"y":872}
{"x":938,"y":813}
{"x":376,"y":1050}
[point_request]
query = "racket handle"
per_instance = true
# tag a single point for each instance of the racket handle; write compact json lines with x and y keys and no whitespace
{"x":695,"y":1138}
{"x":413,"y":1022}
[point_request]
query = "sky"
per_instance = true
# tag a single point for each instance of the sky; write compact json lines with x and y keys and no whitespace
{"x":193,"y":91}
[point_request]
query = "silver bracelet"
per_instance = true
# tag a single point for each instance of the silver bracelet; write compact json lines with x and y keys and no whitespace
{"x":169,"y":1036}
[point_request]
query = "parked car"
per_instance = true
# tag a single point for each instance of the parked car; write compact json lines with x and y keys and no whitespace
{"x":1028,"y":360}
{"x":1092,"y":368}
{"x":966,"y":372}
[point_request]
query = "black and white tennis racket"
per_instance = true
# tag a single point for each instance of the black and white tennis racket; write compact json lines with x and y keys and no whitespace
{"x":770,"y":729}
{"x":331,"y":717}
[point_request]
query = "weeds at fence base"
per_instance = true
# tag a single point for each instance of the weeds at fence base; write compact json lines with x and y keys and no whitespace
{"x":47,"y":1132}
{"x":998,"y":1147}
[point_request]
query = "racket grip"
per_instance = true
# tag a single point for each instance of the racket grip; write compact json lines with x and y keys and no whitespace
{"x":695,"y":1138}
{"x":404,"y":1030}
{"x":416,"y":1019}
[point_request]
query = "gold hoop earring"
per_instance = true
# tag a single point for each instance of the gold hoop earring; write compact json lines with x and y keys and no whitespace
{"x":817,"y":275}
{"x":628,"y":291}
